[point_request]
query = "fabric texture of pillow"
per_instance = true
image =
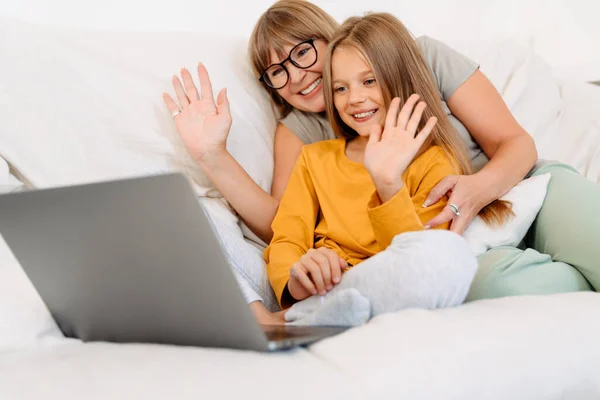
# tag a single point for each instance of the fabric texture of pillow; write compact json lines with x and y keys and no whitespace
{"x":81,"y":106}
{"x":24,"y":319}
{"x":527,"y":199}
{"x":8,"y":182}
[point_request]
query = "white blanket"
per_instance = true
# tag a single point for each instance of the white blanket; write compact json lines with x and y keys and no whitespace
{"x":513,"y":348}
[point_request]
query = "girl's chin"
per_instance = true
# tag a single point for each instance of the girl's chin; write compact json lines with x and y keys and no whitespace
{"x":364,"y":131}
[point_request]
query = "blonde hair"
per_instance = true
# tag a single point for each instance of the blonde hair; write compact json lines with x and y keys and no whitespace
{"x":286,"y":23}
{"x":401,"y":70}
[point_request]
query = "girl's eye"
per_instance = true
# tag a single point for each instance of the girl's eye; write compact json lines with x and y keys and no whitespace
{"x":339,"y":89}
{"x":370,"y":81}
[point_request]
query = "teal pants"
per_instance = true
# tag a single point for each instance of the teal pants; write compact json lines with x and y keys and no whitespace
{"x":562,"y":246}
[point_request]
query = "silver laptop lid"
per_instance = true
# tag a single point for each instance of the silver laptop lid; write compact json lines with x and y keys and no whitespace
{"x":133,"y":260}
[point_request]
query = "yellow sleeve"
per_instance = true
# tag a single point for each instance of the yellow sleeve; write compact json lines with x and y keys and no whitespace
{"x":404,"y":211}
{"x":293,"y":227}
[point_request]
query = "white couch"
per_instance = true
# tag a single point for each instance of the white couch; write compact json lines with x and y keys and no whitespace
{"x":80,"y":105}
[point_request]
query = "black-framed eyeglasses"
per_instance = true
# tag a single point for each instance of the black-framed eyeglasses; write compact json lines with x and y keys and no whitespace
{"x":303,"y":55}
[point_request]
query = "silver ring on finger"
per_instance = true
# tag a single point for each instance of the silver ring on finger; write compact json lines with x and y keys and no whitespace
{"x":454,"y":209}
{"x":175,"y":113}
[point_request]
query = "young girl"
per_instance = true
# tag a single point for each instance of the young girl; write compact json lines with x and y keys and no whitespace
{"x":357,"y":199}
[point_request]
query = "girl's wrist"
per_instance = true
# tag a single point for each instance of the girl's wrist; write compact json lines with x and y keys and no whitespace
{"x":296,"y":290}
{"x":386,"y":189}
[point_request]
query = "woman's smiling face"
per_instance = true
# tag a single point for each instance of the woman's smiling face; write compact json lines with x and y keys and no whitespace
{"x":304,"y":89}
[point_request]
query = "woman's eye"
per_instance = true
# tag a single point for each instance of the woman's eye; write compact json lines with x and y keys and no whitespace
{"x":370,"y":81}
{"x":276,"y":72}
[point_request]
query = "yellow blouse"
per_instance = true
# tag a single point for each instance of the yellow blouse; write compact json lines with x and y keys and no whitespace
{"x":331,"y":201}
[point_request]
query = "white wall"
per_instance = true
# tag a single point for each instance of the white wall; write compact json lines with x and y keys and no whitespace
{"x":565,"y":33}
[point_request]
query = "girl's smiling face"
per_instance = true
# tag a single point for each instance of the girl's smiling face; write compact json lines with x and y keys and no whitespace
{"x":357,"y":96}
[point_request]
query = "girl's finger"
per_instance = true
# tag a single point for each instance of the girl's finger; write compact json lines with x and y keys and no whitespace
{"x":415,"y":119}
{"x":392,"y":114}
{"x":335,"y":267}
{"x":441,"y":189}
{"x":188,"y":83}
{"x":181,"y":96}
{"x":375,"y":135}
{"x":315,"y":275}
{"x":299,"y":273}
{"x":407,"y":111}
{"x":321,"y":259}
{"x":426,"y":131}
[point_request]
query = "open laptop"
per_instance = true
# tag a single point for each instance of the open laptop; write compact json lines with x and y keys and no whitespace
{"x":136,"y":260}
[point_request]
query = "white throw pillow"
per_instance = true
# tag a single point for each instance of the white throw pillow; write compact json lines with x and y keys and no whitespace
{"x":81,"y":105}
{"x":8,"y":182}
{"x":527,"y":199}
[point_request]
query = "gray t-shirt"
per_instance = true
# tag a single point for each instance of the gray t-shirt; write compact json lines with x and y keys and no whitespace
{"x":450,"y":69}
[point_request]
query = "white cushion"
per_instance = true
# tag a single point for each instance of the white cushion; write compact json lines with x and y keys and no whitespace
{"x":527,"y":199}
{"x":24,"y":318}
{"x":81,"y":105}
{"x":8,"y":182}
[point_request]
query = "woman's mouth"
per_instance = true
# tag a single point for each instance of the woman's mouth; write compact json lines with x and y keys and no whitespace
{"x":312,"y":87}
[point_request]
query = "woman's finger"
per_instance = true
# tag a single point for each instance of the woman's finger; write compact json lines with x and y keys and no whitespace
{"x":181,"y":96}
{"x":300,"y":274}
{"x":407,"y":111}
{"x":223,"y":103}
{"x":188,"y":83}
{"x":446,"y":215}
{"x":205,"y":86}
{"x":443,"y":186}
{"x":415,"y":119}
{"x":170,"y":103}
{"x":459,"y":224}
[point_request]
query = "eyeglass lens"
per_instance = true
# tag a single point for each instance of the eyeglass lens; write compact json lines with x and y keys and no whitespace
{"x":303,"y":55}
